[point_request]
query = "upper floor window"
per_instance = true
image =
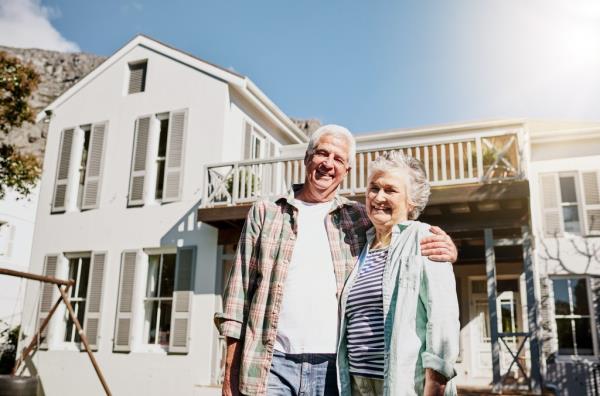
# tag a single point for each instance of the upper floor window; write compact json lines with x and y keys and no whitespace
{"x":572,"y":315}
{"x":79,"y":168}
{"x":137,"y":76}
{"x":570,"y":203}
{"x":157,"y":163}
{"x":257,"y":144}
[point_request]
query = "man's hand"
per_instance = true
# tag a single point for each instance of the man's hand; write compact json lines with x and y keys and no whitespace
{"x":435,"y":383}
{"x":439,"y":246}
{"x":231,"y":379}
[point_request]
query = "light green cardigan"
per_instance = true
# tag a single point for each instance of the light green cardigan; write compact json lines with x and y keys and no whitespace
{"x":420,"y":311}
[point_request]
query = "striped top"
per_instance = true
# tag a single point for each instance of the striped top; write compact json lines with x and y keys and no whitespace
{"x":364,"y":312}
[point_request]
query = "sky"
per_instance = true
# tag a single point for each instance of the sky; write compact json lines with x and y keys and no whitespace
{"x":367,"y":65}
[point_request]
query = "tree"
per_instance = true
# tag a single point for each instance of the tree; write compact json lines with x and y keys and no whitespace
{"x":18,"y":170}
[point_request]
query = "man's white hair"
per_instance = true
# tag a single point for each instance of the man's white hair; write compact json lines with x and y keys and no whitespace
{"x":337,"y":131}
{"x":417,"y":189}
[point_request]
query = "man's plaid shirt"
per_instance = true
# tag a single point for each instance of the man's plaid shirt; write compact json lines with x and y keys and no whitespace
{"x":255,"y":287}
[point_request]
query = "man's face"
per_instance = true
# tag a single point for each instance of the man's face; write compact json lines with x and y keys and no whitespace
{"x":327,"y":166}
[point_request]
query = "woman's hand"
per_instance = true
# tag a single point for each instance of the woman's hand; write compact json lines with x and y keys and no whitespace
{"x":435,"y":383}
{"x":439,"y":246}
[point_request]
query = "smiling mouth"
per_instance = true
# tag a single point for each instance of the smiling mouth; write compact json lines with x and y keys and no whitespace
{"x":323,"y":174}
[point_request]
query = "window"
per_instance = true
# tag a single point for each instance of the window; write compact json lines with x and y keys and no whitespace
{"x":157,"y":158}
{"x":570,"y":208}
{"x":137,"y":77}
{"x":572,"y":315}
{"x":570,"y":203}
{"x":7,"y":233}
{"x":83,"y":163}
{"x":79,"y":168}
{"x":161,"y":155}
{"x":160,"y":285}
{"x":258,"y":145}
{"x":79,"y":271}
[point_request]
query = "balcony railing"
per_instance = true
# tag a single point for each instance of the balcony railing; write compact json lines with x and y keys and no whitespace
{"x":480,"y":158}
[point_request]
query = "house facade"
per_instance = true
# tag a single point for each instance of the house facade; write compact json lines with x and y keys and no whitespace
{"x":122,"y":180}
{"x":154,"y":159}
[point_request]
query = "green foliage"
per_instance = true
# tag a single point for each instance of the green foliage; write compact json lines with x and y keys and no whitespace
{"x":18,"y":171}
{"x":8,"y":349}
{"x":17,"y":83}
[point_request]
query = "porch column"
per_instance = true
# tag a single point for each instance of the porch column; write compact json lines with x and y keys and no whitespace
{"x":490,"y":269}
{"x":532,"y":312}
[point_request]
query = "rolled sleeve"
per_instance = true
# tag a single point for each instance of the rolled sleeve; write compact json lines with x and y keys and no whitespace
{"x":438,"y":293}
{"x":228,"y":327}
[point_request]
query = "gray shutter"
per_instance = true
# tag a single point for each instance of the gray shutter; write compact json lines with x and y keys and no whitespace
{"x":93,"y":172}
{"x":62,"y":172}
{"x":93,"y":305}
{"x":549,"y":338}
{"x":125,"y":303}
{"x":138,"y":162}
{"x":247,"y":141}
{"x":174,"y":160}
{"x":591,"y":207}
{"x":49,"y":295}
{"x":137,"y":77}
{"x":551,"y":215}
{"x":181,"y":310}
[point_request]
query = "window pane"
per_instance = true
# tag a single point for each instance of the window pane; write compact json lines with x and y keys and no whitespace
{"x":83,"y":277}
{"x":80,"y":317}
{"x":160,"y":179}
{"x":567,"y":189}
{"x":565,"y":336}
{"x":73,"y":263}
{"x":162,"y":143}
{"x":152,"y":282}
{"x":580,"y":297}
{"x":571,"y":219}
{"x":167,"y":283}
{"x":561,"y":296}
{"x":151,"y":312}
{"x":165,"y":323}
{"x":583,"y":336}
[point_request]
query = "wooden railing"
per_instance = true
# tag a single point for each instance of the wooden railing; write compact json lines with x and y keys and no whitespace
{"x":481,"y":158}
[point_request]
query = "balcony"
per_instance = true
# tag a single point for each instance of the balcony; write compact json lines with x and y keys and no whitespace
{"x":475,"y":159}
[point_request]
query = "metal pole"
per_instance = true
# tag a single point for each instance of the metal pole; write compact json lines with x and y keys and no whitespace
{"x":490,"y":268}
{"x":84,"y":340}
{"x":33,"y":342}
{"x":532,"y":313}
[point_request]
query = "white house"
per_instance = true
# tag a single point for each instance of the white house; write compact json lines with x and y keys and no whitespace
{"x":122,"y":180}
{"x":17,"y":219}
{"x":154,"y":158}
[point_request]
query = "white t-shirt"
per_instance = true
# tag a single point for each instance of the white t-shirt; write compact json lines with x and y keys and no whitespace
{"x":309,"y":309}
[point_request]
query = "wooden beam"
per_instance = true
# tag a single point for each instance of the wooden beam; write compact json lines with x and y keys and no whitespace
{"x":490,"y":268}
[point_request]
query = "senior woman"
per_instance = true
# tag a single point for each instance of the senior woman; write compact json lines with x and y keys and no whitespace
{"x":399,"y":311}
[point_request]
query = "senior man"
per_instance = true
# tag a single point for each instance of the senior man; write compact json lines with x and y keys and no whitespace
{"x":280,"y":315}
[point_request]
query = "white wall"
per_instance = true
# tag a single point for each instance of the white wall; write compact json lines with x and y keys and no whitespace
{"x":15,"y":250}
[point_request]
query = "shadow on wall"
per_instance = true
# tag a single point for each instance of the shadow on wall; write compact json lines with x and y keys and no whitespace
{"x":574,"y":378}
{"x":188,"y":231}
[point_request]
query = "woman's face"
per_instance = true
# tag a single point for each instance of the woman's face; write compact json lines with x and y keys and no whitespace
{"x":387,"y":199}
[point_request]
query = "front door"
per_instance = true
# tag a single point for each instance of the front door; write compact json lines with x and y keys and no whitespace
{"x":509,"y":320}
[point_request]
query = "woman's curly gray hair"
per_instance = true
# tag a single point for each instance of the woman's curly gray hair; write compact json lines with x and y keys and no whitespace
{"x":418,"y":188}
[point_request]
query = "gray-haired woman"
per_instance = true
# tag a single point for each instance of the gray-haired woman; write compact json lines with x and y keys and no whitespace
{"x":399,"y":331}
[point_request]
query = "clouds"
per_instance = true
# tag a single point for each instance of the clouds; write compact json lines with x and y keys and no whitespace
{"x":26,"y":24}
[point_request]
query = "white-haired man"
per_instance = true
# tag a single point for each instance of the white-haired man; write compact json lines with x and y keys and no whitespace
{"x":281,"y":300}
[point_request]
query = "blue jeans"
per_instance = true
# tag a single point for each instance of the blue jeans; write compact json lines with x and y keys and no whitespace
{"x":310,"y":374}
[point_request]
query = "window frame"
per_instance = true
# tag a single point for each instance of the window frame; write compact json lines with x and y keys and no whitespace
{"x":147,"y":320}
{"x":131,"y":65}
{"x":576,"y":175}
{"x":572,"y":317}
{"x":158,"y":159}
{"x":76,"y":301}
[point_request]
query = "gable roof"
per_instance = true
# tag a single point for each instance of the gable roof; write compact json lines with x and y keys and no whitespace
{"x":240,"y":83}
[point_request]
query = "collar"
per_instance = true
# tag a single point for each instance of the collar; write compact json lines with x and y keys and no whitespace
{"x":290,"y":198}
{"x":396,"y":230}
